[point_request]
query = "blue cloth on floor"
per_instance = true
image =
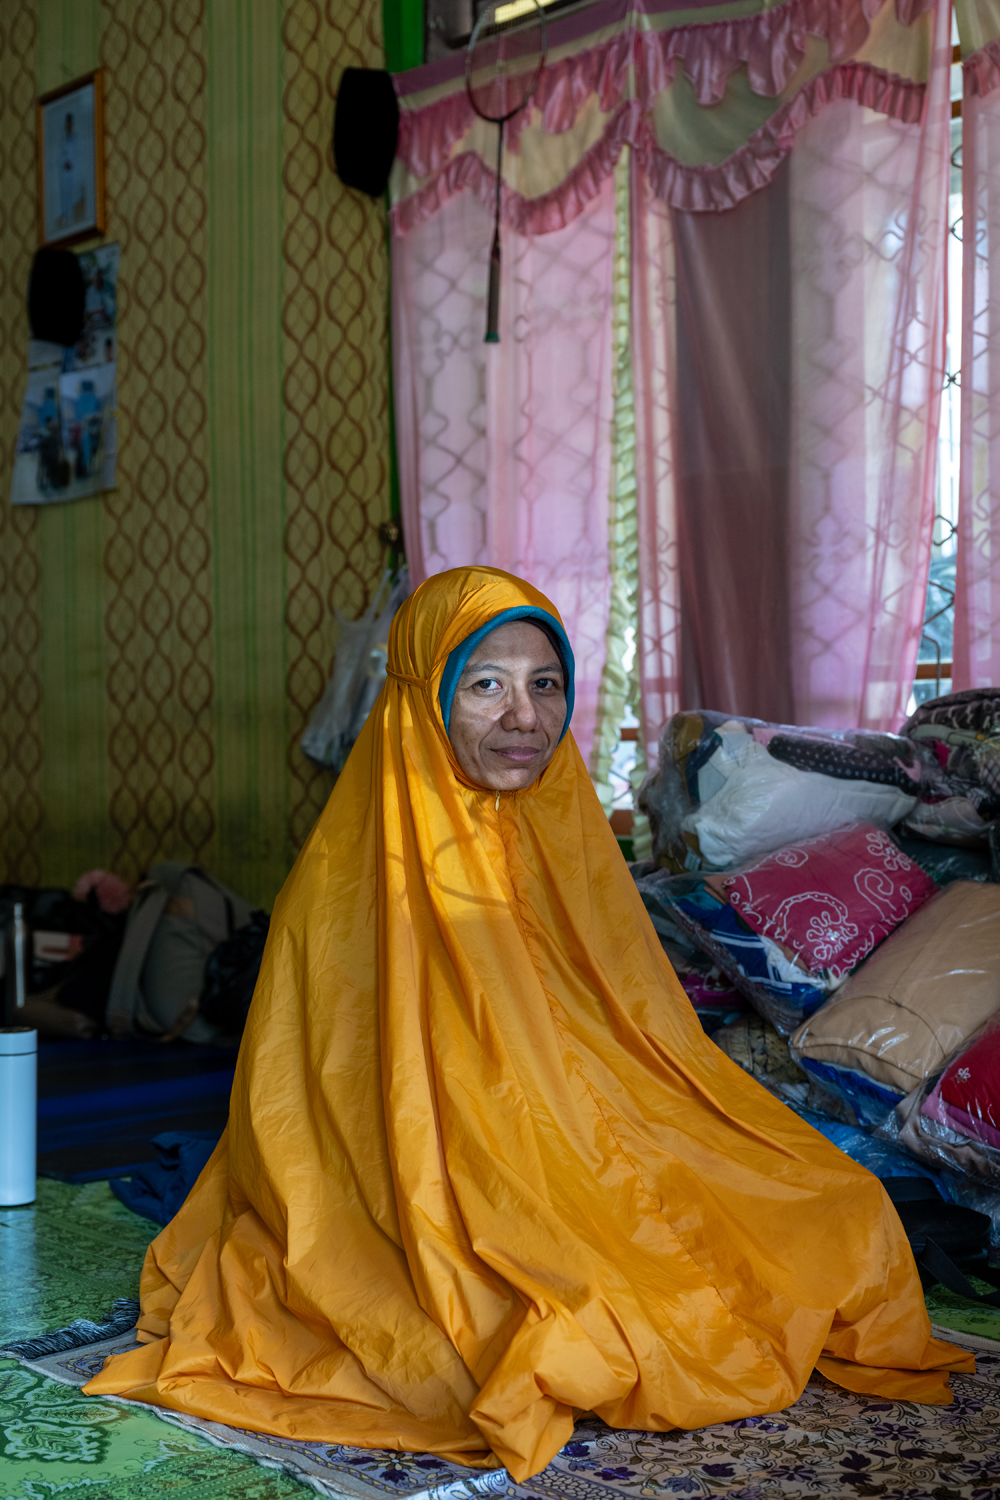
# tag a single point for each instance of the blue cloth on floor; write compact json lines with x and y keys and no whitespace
{"x":157,"y":1189}
{"x":880,"y":1158}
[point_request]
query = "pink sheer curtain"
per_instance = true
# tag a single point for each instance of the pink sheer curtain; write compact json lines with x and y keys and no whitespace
{"x":504,"y":449}
{"x":787,"y":342}
{"x":798,"y":345}
{"x":977,"y":594}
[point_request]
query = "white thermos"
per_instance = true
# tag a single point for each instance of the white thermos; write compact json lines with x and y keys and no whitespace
{"x":18,"y":1114}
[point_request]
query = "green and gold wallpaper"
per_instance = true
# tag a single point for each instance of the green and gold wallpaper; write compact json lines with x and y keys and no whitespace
{"x":162,"y":646}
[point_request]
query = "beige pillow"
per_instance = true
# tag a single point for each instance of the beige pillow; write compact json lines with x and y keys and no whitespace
{"x":922,"y":994}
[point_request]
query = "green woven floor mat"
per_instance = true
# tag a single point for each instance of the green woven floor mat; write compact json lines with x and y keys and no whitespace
{"x":56,"y":1443}
{"x":70,"y":1256}
{"x":948,"y":1310}
{"x":67,"y":1256}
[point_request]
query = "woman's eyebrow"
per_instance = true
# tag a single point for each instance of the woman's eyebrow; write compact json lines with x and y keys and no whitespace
{"x":490,"y":666}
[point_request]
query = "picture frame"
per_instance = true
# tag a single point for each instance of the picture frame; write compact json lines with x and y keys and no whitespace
{"x":70,"y":153}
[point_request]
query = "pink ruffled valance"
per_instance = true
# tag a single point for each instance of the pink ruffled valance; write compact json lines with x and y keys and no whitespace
{"x":711,"y":189}
{"x":981,"y":71}
{"x":625,"y":72}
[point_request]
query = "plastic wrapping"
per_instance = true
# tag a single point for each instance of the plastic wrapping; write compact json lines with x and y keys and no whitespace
{"x":829,"y":901}
{"x":711,"y":992}
{"x":945,"y":862}
{"x":358,"y":675}
{"x":879,"y":1156}
{"x":944,"y":1156}
{"x":923,"y":994}
{"x":727,"y":790}
{"x":776,"y":986}
{"x":962,"y":730}
{"x":952,"y":1119}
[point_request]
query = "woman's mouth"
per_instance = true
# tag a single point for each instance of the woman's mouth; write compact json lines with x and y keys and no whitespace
{"x":519,"y":755}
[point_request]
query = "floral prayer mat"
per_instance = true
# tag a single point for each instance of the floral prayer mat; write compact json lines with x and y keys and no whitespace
{"x":829,"y":1443}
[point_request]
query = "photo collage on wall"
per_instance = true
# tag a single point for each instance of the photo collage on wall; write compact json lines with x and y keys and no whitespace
{"x":67,"y":444}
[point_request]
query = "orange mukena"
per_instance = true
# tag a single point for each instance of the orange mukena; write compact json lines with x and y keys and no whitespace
{"x":483,"y":1169}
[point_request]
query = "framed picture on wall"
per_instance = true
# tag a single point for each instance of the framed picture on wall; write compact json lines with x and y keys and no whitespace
{"x":70,"y":148}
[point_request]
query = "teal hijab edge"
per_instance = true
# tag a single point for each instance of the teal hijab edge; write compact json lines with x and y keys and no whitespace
{"x":456,"y":663}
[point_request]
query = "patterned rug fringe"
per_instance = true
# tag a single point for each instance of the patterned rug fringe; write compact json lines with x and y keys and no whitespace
{"x":120,"y":1319}
{"x":974,"y":1341}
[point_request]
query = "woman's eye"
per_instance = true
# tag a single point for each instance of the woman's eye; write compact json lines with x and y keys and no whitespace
{"x":546,"y":683}
{"x":486,"y":682}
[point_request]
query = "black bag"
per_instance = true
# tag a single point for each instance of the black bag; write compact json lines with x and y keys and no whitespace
{"x":231,"y":974}
{"x":946,"y":1239}
{"x":53,"y":909}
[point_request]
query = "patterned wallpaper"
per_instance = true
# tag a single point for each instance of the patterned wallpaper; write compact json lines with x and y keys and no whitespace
{"x":20,"y":630}
{"x":161,"y":648}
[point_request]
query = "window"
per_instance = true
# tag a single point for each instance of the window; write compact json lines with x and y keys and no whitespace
{"x":935,"y":655}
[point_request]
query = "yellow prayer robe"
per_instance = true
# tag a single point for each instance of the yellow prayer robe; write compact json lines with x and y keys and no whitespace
{"x":483,"y":1170}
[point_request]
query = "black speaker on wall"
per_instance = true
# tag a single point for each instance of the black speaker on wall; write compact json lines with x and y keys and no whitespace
{"x":55,"y":296}
{"x":365,"y":127}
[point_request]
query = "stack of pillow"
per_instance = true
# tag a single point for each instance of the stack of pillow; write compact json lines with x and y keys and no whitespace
{"x":875,"y":956}
{"x":727,"y":789}
{"x":788,"y":929}
{"x":925,"y":992}
{"x":952,"y":1119}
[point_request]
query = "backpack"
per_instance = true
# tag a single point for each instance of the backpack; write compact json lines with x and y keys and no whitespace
{"x":231,"y":975}
{"x":180,"y":917}
{"x":947,"y":1240}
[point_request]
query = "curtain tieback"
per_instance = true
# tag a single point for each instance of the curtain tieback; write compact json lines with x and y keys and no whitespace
{"x":405,"y":677}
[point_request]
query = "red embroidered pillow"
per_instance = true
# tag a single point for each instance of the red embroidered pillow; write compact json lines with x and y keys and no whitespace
{"x":972,"y":1082}
{"x":831,"y":899}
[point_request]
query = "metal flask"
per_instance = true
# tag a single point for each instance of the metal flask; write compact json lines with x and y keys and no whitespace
{"x":18,"y":1073}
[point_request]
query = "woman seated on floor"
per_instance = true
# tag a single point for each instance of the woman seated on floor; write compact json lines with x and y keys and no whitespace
{"x":484,"y":1171}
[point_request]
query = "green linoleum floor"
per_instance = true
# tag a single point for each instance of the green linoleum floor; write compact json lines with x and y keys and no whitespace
{"x":69,"y":1256}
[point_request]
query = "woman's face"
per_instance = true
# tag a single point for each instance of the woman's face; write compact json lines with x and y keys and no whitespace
{"x":509,"y":708}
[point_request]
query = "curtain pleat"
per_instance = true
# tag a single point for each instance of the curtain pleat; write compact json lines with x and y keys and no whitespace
{"x":977,"y":591}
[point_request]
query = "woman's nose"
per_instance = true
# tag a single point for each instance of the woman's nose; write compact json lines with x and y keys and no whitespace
{"x":520,"y":710}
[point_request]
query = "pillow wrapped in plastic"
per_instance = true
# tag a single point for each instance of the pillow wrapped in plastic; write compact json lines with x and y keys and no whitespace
{"x":930,"y":987}
{"x":963,"y":732}
{"x":953,"y":1119}
{"x":729,"y":789}
{"x":778,"y":987}
{"x":832,"y":899}
{"x":710,"y":991}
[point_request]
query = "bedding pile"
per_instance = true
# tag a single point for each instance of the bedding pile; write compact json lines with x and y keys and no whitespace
{"x":845,"y":887}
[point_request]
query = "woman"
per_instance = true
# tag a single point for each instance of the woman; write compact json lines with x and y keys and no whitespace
{"x":484,"y":1170}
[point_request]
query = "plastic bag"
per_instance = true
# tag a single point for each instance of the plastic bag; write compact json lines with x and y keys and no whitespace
{"x":952,"y":1119}
{"x":925,"y":992}
{"x":878,"y":1156}
{"x":963,"y":732}
{"x":945,"y":862}
{"x":358,"y":675}
{"x":727,"y":789}
{"x":776,"y":986}
{"x":829,"y":901}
